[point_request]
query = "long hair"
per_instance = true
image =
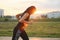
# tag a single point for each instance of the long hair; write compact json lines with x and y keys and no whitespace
{"x":30,"y":9}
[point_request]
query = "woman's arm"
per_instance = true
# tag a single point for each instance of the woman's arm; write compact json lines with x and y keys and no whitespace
{"x":24,"y":17}
{"x":28,"y":22}
{"x":17,"y":16}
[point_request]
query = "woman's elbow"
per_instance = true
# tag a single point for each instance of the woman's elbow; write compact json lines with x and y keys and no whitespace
{"x":16,"y":16}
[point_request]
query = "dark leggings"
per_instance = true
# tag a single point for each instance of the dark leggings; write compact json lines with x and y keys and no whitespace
{"x":23,"y":35}
{"x":17,"y":33}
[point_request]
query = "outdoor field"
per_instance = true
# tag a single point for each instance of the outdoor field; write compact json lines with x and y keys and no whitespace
{"x":36,"y":29}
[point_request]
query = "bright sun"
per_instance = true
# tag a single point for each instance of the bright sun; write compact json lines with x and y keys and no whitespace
{"x":38,"y":12}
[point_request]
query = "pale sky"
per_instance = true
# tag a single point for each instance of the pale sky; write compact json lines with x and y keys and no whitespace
{"x":13,"y":7}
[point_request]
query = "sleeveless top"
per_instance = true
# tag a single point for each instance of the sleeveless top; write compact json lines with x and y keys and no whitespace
{"x":27,"y":19}
{"x":20,"y":25}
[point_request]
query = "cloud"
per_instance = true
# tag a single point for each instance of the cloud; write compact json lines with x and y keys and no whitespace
{"x":23,"y":4}
{"x":51,"y":4}
{"x":44,"y":4}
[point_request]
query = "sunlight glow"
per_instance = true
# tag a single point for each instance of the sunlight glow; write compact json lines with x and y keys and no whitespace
{"x":37,"y":12}
{"x":13,"y":7}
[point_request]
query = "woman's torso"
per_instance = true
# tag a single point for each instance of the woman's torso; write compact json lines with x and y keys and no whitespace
{"x":25,"y":24}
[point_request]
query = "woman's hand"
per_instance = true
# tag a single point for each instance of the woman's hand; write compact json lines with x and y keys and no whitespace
{"x":30,"y":22}
{"x":23,"y":21}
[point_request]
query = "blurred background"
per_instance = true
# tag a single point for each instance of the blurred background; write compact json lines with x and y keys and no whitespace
{"x":46,"y":18}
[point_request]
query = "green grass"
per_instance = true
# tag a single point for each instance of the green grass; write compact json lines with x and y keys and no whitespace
{"x":38,"y":29}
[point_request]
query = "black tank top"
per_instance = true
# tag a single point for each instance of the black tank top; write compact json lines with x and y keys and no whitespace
{"x":19,"y":25}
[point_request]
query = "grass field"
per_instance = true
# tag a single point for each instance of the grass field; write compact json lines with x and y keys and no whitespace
{"x":36,"y":29}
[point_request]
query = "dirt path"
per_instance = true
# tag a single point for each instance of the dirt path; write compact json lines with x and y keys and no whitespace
{"x":30,"y":38}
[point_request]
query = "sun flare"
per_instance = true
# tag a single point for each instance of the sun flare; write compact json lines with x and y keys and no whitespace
{"x":39,"y":12}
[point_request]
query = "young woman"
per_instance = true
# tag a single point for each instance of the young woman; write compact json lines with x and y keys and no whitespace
{"x":22,"y":24}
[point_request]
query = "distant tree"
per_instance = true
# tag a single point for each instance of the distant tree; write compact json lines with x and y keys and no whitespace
{"x":0,"y":16}
{"x":7,"y":16}
{"x":6,"y":19}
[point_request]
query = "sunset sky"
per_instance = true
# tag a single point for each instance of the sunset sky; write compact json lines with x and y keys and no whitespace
{"x":13,"y":7}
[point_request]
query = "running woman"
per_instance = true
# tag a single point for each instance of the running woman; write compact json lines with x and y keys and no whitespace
{"x":23,"y":21}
